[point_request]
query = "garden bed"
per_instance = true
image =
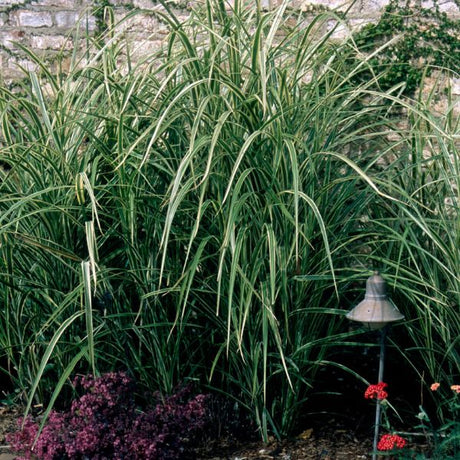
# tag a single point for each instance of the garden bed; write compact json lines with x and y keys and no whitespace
{"x":207,"y":217}
{"x":331,"y":441}
{"x":324,"y":444}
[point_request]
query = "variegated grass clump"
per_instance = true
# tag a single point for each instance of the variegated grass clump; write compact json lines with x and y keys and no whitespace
{"x":203,"y":214}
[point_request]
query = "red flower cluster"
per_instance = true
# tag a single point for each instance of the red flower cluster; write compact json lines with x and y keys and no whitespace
{"x":376,"y":391}
{"x":390,"y":442}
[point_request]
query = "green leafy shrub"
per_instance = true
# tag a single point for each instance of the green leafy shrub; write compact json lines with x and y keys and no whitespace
{"x":428,"y":40}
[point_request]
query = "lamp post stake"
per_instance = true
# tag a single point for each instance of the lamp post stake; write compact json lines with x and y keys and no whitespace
{"x":378,"y":408}
{"x":376,"y":311}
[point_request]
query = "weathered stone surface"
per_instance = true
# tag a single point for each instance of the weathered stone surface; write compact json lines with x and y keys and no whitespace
{"x":145,"y":23}
{"x":51,"y":42}
{"x":448,"y":6}
{"x":44,"y":24}
{"x":57,"y":3}
{"x":71,"y":19}
{"x":66,"y":19}
{"x":142,"y":4}
{"x":368,"y":7}
{"x":427,"y":4}
{"x":17,"y":64}
{"x":8,"y":38}
{"x":12,"y":2}
{"x":26,"y":18}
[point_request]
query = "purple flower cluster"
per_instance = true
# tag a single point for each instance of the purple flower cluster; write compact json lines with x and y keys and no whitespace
{"x":104,"y":423}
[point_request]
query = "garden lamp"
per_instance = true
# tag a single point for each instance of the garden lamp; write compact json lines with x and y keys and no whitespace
{"x":376,"y":311}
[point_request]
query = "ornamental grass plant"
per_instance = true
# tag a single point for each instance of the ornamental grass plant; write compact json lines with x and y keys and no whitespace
{"x":204,"y":213}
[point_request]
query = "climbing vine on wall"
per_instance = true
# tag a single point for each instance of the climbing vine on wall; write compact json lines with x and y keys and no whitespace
{"x":429,"y":39}
{"x":100,"y":11}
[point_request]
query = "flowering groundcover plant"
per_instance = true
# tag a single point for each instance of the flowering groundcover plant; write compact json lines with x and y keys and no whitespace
{"x":104,"y":423}
{"x":446,"y":438}
{"x":387,"y":441}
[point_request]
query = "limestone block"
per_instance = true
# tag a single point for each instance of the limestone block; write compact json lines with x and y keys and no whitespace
{"x":16,"y":64}
{"x":266,"y":4}
{"x":427,"y":4}
{"x":340,"y":30}
{"x":11,"y":2}
{"x":118,"y":2}
{"x":56,"y":3}
{"x":66,"y":19}
{"x":372,"y":6}
{"x":33,"y":18}
{"x":449,"y":7}
{"x":146,"y":4}
{"x":8,"y":38}
{"x":87,"y":21}
{"x":51,"y":42}
{"x":455,"y":82}
{"x":142,"y":24}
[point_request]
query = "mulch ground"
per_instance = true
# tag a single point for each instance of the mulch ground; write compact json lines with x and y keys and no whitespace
{"x":338,"y":445}
{"x":8,"y":423}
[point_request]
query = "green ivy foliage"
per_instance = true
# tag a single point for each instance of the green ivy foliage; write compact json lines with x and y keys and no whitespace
{"x":429,"y":39}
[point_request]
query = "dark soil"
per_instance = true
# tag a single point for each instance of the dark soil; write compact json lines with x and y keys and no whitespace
{"x":327,"y":445}
{"x":8,"y":423}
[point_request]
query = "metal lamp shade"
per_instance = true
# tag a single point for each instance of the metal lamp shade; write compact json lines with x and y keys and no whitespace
{"x":376,"y":310}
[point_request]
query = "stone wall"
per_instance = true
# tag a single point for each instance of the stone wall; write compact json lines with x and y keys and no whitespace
{"x":48,"y":26}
